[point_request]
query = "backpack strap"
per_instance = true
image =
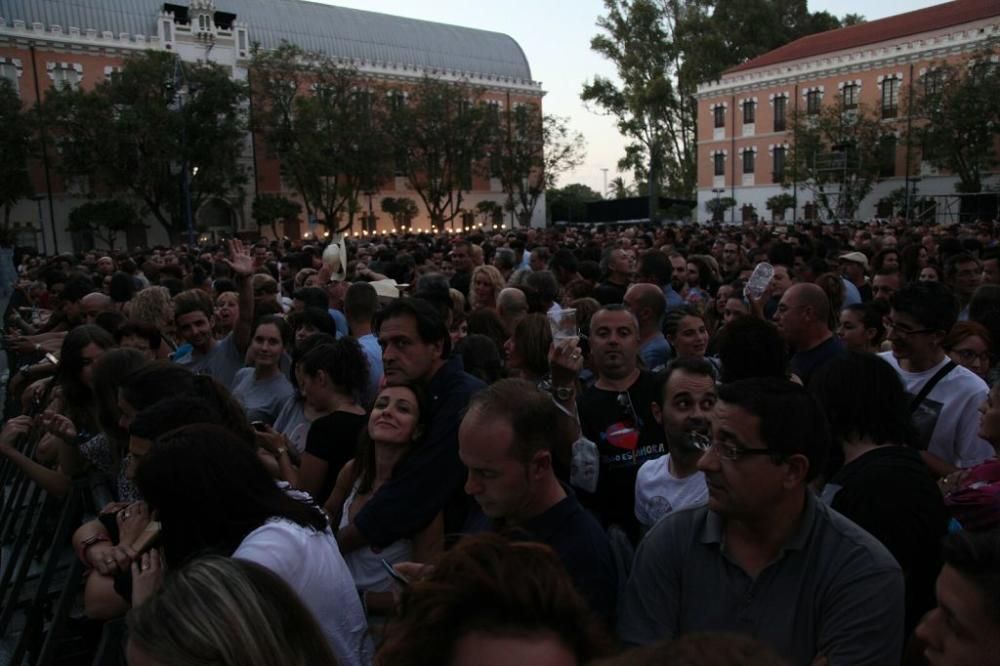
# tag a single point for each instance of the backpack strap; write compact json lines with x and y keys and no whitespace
{"x":931,"y":383}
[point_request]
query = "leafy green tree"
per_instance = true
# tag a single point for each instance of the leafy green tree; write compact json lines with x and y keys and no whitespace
{"x":645,"y":102}
{"x":442,"y":135}
{"x":620,"y":189}
{"x":838,"y":156}
{"x":16,"y":146}
{"x":779,"y":203}
{"x":958,"y":107}
{"x":134,"y":131}
{"x":569,"y":203}
{"x":104,"y":219}
{"x":718,"y":207}
{"x":326,"y":124}
{"x":402,"y":211}
{"x":269,"y":209}
{"x":534,"y":150}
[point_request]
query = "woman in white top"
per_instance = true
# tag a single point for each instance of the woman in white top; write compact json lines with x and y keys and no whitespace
{"x":395,"y":427}
{"x":213,"y":494}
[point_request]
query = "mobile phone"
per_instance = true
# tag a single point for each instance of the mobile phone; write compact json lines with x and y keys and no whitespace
{"x":259,"y":426}
{"x":395,"y":575}
{"x":147,"y":537}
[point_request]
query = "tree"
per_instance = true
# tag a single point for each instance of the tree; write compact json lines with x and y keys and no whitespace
{"x":718,"y":207}
{"x":958,"y":107}
{"x":646,"y":104}
{"x":779,"y":203}
{"x":402,"y":210}
{"x":103,"y":219}
{"x":663,"y":49}
{"x":620,"y":189}
{"x":534,"y":151}
{"x":838,"y":155}
{"x":270,"y":209}
{"x":134,"y":133}
{"x":569,"y":203}
{"x":442,"y":134}
{"x":327,"y":126}
{"x":489,"y":211}
{"x":16,"y":147}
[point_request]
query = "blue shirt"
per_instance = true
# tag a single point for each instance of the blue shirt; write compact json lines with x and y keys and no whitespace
{"x":340,"y":321}
{"x":373,"y":352}
{"x":656,"y":353}
{"x":674,"y":300}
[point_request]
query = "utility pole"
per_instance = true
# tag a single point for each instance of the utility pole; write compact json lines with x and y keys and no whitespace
{"x":604,"y":192}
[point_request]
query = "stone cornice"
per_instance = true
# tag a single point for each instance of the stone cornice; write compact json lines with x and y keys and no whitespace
{"x":73,"y":39}
{"x":960,"y":39}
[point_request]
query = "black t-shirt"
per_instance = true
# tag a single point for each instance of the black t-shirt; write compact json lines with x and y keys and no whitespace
{"x":890,"y":493}
{"x":610,"y":293}
{"x":334,"y":439}
{"x":579,"y":541}
{"x":627,"y":435}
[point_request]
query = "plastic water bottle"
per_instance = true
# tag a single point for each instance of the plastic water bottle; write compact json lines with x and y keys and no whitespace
{"x":759,"y":280}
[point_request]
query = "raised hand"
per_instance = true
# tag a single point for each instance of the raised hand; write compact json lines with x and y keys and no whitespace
{"x":241,"y":261}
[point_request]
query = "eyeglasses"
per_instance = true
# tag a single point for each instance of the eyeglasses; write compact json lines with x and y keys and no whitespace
{"x":734,"y":453}
{"x":968,"y":356}
{"x":903,"y":332}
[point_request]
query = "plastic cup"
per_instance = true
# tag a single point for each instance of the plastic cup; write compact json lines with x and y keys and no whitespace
{"x":563,"y":324}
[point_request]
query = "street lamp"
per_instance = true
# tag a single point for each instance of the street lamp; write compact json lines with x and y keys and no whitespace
{"x":182,"y":88}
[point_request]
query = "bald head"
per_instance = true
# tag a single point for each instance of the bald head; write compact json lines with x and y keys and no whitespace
{"x":810,"y":295}
{"x":647,"y":303}
{"x":803,"y":315}
{"x":92,"y":305}
{"x":512,"y":306}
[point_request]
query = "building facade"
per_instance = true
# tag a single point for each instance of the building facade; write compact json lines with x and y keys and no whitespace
{"x":44,"y":43}
{"x":745,"y":118}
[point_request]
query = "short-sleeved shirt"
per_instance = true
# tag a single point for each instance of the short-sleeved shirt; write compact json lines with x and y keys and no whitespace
{"x":621,"y":423}
{"x":659,"y":493}
{"x":833,"y":589}
{"x":656,"y":353}
{"x":579,"y":541}
{"x":261,"y":399}
{"x":803,"y":364}
{"x":222,"y":361}
{"x":373,"y":352}
{"x":292,"y":422}
{"x":947,"y":420}
{"x":334,"y":439}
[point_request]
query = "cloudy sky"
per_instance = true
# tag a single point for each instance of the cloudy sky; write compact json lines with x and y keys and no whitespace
{"x":555,"y":35}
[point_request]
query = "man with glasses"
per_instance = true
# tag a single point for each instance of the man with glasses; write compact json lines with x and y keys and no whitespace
{"x":946,"y":396}
{"x":964,"y":274}
{"x":764,"y":557}
{"x":803,"y":320}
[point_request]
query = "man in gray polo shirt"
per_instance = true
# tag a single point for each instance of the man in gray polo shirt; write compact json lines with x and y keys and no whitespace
{"x":765,"y":558}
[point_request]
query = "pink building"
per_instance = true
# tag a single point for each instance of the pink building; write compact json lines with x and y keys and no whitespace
{"x":744,"y":119}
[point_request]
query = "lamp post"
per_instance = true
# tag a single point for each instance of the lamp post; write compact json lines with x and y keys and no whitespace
{"x":182,"y":88}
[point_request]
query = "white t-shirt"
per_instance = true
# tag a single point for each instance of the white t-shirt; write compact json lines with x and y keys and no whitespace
{"x":948,"y":419}
{"x":658,"y":492}
{"x":311,"y":564}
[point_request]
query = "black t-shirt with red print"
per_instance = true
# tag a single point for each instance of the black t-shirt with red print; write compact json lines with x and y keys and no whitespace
{"x":622,"y":426}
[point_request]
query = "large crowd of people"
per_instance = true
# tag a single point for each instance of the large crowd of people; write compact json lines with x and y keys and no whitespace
{"x":591,"y":444}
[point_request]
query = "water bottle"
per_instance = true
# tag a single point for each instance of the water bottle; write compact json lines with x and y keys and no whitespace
{"x":759,"y":280}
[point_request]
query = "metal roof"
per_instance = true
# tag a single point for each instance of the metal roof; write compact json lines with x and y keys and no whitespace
{"x":337,"y":31}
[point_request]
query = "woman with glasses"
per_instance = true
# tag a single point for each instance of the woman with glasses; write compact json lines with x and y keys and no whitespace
{"x":968,"y":344}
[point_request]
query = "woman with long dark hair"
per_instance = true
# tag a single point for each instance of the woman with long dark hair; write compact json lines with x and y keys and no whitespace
{"x":332,"y":377}
{"x":395,"y":428}
{"x":212,"y":494}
